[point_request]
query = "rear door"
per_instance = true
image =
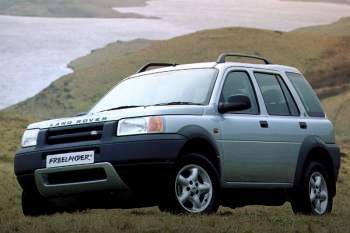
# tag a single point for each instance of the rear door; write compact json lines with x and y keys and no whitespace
{"x":284,"y":128}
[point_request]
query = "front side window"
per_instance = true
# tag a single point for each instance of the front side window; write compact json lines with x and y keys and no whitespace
{"x":192,"y":86}
{"x":238,"y":83}
{"x":274,"y":97}
{"x":307,"y":95}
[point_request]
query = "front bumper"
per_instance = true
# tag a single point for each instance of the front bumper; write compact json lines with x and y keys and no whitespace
{"x":131,"y":162}
{"x":110,"y":181}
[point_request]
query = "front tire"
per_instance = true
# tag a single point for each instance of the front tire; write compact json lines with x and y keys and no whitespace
{"x":194,"y":187}
{"x":314,"y":195}
{"x":33,"y":204}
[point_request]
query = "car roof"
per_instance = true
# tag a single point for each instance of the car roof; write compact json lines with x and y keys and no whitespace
{"x":224,"y":66}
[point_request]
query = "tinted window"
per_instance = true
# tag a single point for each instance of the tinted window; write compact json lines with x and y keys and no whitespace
{"x":294,"y":111}
{"x":307,"y":95}
{"x":275,"y":101}
{"x":238,"y":83}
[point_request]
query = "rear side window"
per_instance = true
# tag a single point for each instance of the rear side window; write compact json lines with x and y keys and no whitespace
{"x":307,"y":95}
{"x":293,"y":108}
{"x":274,"y":98}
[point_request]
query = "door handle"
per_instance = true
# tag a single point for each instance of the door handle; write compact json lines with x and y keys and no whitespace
{"x":264,"y":124}
{"x":303,"y":125}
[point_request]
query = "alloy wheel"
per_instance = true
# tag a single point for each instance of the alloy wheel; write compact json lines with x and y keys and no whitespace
{"x":318,"y":193}
{"x":194,"y":189}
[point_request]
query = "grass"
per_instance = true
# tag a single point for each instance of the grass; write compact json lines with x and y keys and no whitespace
{"x":68,"y":8}
{"x":340,"y":28}
{"x":338,"y":110}
{"x":247,"y":219}
{"x":12,"y":126}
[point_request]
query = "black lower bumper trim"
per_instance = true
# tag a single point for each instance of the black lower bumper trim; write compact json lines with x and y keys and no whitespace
{"x":135,"y":158}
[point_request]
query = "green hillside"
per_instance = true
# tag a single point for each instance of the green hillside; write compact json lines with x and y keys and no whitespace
{"x":12,"y":126}
{"x":324,"y":60}
{"x":338,"y":110}
{"x":68,"y":8}
{"x":340,"y":28}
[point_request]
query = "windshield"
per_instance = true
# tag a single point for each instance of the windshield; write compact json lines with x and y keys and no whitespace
{"x":192,"y":86}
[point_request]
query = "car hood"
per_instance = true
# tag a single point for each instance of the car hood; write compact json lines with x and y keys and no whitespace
{"x":119,"y":114}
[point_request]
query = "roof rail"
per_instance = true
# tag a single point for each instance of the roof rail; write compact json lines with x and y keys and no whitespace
{"x":222,"y":57}
{"x":155,"y":64}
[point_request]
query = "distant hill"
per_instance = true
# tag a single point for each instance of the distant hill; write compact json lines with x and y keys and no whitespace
{"x":324,"y":60}
{"x":338,"y":110}
{"x":323,"y":57}
{"x":340,"y":28}
{"x":68,"y":8}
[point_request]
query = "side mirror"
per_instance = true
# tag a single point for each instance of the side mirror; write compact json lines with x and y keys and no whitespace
{"x":235,"y":103}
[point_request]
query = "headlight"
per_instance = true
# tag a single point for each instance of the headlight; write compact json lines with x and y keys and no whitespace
{"x":141,"y":125}
{"x":30,"y":137}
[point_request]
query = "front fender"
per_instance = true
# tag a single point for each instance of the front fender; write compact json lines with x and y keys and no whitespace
{"x":197,"y":132}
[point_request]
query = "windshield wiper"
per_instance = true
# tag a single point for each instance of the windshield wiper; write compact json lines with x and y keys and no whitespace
{"x":122,"y":107}
{"x":177,"y":103}
{"x":161,"y":104}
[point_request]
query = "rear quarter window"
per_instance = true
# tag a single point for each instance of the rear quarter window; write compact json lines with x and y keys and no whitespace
{"x":307,"y":95}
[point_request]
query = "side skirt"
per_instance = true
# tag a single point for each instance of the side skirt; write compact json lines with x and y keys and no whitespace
{"x":238,"y":197}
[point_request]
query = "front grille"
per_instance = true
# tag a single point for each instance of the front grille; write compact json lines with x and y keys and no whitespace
{"x":69,"y":177}
{"x":74,"y":134}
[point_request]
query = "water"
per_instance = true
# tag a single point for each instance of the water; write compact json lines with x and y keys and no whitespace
{"x":35,"y":51}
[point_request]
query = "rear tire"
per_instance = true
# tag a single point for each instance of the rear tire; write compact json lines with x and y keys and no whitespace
{"x":193,"y":188}
{"x":33,"y":204}
{"x":314,"y":195}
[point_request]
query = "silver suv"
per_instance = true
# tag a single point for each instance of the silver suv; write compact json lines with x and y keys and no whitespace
{"x":187,"y":138}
